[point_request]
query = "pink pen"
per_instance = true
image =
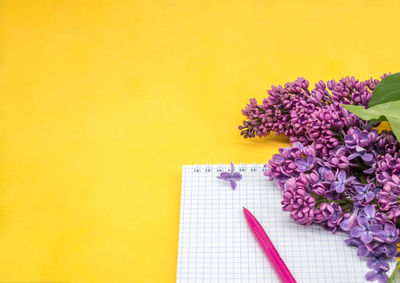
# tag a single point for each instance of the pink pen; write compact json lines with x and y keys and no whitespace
{"x":268,"y":248}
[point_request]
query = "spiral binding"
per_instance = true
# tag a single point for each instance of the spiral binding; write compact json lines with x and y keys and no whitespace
{"x":220,"y":167}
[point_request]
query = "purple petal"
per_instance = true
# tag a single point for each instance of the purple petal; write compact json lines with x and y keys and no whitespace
{"x":366,"y":237}
{"x":329,"y":176}
{"x":391,"y":250}
{"x":370,"y":196}
{"x":282,"y":178}
{"x":340,"y":188}
{"x":362,"y":251}
{"x":378,"y":262}
{"x":356,"y":231}
{"x":349,"y":223}
{"x":369,"y":171}
{"x":367,"y":157}
{"x":375,"y":228}
{"x":363,"y":137}
{"x":322,"y":171}
{"x":389,"y":227}
{"x":349,"y":141}
{"x":345,"y":225}
{"x":224,"y":176}
{"x":342,"y":176}
{"x":232,"y":167}
{"x":371,"y":276}
{"x":352,"y":156}
{"x":301,"y":164}
{"x":360,"y":148}
{"x":360,"y":189}
{"x":298,"y":145}
{"x":236,"y":176}
{"x":334,"y":185}
{"x":381,"y":236}
{"x":277,"y":158}
{"x":379,"y":249}
{"x":310,"y":159}
{"x":369,"y":210}
{"x":350,"y":179}
{"x":233,"y":184}
{"x":362,"y":221}
{"x":382,"y":277}
{"x":355,"y":242}
{"x":359,"y":197}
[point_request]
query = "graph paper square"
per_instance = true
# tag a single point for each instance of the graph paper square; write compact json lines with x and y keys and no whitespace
{"x":215,"y":244}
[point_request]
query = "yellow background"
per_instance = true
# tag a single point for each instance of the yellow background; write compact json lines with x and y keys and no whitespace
{"x":102,"y":102}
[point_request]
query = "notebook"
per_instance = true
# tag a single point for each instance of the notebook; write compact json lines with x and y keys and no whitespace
{"x":216,"y":245}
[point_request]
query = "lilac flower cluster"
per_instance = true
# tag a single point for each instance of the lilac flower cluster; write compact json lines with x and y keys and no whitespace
{"x":340,"y":172}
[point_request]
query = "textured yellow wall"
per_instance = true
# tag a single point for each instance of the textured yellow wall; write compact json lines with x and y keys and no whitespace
{"x":102,"y":102}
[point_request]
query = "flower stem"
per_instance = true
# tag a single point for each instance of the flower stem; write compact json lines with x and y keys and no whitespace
{"x":346,"y":203}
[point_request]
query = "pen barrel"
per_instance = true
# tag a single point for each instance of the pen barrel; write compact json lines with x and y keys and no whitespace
{"x":272,"y":254}
{"x":278,"y":264}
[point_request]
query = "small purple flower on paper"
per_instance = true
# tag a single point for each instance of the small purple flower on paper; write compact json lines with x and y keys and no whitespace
{"x":231,"y":177}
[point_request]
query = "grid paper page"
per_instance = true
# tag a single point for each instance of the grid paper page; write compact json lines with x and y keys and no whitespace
{"x":216,"y":245}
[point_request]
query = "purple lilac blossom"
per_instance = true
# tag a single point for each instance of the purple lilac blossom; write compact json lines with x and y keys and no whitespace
{"x":340,"y":185}
{"x":364,"y":193}
{"x":304,"y":165}
{"x":340,"y":172}
{"x":365,"y":230}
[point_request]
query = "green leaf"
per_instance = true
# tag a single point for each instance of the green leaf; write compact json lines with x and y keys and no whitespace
{"x":382,"y":112}
{"x":395,"y":277}
{"x":386,"y":90}
{"x":384,"y":104}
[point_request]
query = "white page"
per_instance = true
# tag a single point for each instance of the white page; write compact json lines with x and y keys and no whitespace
{"x":216,"y":245}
